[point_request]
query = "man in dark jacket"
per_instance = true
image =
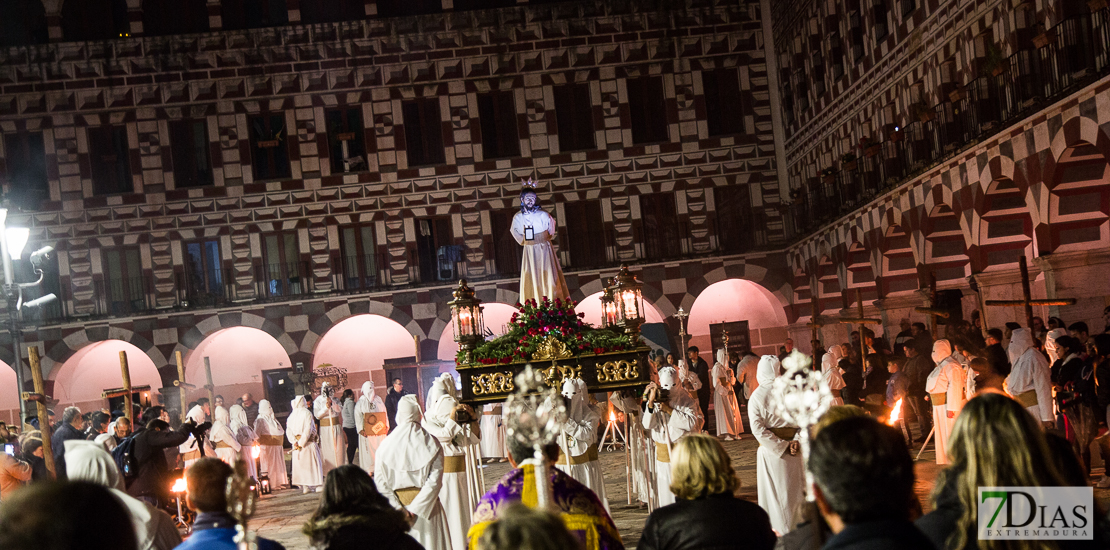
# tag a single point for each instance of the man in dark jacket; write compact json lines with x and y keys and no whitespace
{"x":396,"y":392}
{"x":917,"y":371}
{"x":72,"y":427}
{"x":698,"y":366}
{"x":150,"y":443}
{"x":863,"y":483}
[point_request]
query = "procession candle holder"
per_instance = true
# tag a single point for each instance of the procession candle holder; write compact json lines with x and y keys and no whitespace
{"x":608,"y":306}
{"x":466,"y":317}
{"x":801,"y":396}
{"x":177,"y":488}
{"x":628,"y":295}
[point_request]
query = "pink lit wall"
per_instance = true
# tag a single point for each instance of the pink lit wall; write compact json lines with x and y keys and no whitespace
{"x":238,"y":356}
{"x":9,"y":400}
{"x":738,"y":300}
{"x":95,"y":368}
{"x":591,"y":306}
{"x":361,"y":344}
{"x":495,"y":315}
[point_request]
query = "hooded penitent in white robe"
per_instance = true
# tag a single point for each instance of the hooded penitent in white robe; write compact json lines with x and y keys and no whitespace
{"x":108,"y":439}
{"x":832,"y":374}
{"x":725,"y":408}
{"x":223,"y":439}
{"x":540,"y":274}
{"x":666,"y":428}
{"x":245,"y":435}
{"x":780,"y":477}
{"x":189,"y":451}
{"x":300,"y":430}
{"x":1030,"y":379}
{"x":493,"y":432}
{"x":690,"y":382}
{"x":271,"y":456}
{"x":410,"y":460}
{"x":578,"y":438}
{"x":638,"y":441}
{"x":333,"y":447}
{"x":455,"y":439}
{"x":372,"y":423}
{"x":946,"y":387}
{"x":88,"y":461}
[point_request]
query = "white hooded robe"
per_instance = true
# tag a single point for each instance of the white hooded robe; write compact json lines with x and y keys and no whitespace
{"x":371,"y":420}
{"x":271,"y":456}
{"x":832,"y":374}
{"x":580,"y":431}
{"x":948,"y":379}
{"x":780,"y":476}
{"x":223,"y":439}
{"x":189,"y":451}
{"x":1030,"y":373}
{"x":333,"y":446}
{"x":300,"y":430}
{"x":245,"y":435}
{"x":638,"y":441}
{"x":493,"y":432}
{"x":455,"y":439}
{"x":725,"y":408}
{"x":668,"y":428}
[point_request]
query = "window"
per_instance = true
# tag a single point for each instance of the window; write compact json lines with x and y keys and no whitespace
{"x":879,"y":12}
{"x":724,"y":105}
{"x":110,"y":159}
{"x":400,"y":8}
{"x":189,"y":148}
{"x":855,"y":33}
{"x":908,"y":7}
{"x":328,"y":11}
{"x":94,"y":20}
{"x":25,"y":158}
{"x":124,"y":284}
{"x":435,"y":251}
{"x":346,"y":140}
{"x":23,"y":24}
{"x":787,"y":102}
{"x":818,"y":62}
{"x":423,"y":132}
{"x":204,"y":279}
{"x":836,"y":55}
{"x":269,"y":149}
{"x":574,"y":117}
{"x":734,"y":224}
{"x":506,"y":251}
{"x":660,"y":226}
{"x":588,"y":248}
{"x":648,"y":109}
{"x":253,"y":14}
{"x":166,"y":17}
{"x":281,"y":274}
{"x":497,"y":118}
{"x":360,"y":265}
{"x":802,"y":87}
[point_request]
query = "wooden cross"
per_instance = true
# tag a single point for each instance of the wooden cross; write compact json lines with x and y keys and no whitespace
{"x":1027,"y":300}
{"x":181,"y":385}
{"x":39,"y":397}
{"x":932,"y":311}
{"x":861,"y":321}
{"x":814,"y":324}
{"x":126,"y":372}
{"x":211,"y":388}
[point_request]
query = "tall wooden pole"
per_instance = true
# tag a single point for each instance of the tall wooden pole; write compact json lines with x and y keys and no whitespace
{"x":862,"y":340}
{"x":211,"y":388}
{"x":44,"y":416}
{"x":1026,"y":294}
{"x":126,"y":372}
{"x":181,"y":388}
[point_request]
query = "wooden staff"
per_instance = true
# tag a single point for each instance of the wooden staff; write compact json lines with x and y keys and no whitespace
{"x":39,"y":397}
{"x":182,"y":387}
{"x":211,"y":388}
{"x":1027,"y":300}
{"x":126,"y":372}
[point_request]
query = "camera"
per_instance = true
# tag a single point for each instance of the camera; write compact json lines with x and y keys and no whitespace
{"x":462,"y":415}
{"x":663,"y":396}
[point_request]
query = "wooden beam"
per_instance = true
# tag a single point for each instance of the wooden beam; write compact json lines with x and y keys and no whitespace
{"x":934,"y":312}
{"x":125,"y":371}
{"x":44,"y":416}
{"x":181,"y":385}
{"x":1023,"y":303}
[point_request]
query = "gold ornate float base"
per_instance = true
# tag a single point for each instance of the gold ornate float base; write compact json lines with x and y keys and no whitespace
{"x":603,"y":373}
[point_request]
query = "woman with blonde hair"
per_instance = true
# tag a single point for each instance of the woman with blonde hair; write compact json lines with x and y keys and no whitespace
{"x":995,"y":443}
{"x":706,"y":513}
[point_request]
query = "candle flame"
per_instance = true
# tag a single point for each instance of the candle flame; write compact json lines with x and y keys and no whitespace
{"x":255,"y":451}
{"x":612,"y":416}
{"x":895,"y":413}
{"x":178,"y":486}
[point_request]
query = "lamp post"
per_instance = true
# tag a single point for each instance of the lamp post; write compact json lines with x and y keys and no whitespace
{"x":466,"y":317}
{"x":12,"y":241}
{"x":681,"y":316}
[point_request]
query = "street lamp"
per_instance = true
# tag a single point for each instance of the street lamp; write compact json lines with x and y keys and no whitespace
{"x":12,"y":242}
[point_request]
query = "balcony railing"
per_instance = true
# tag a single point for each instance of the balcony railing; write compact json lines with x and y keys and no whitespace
{"x":1075,"y":53}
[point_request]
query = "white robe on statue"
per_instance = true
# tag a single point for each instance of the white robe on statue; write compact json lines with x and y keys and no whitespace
{"x":223,"y":439}
{"x":578,"y":441}
{"x":333,"y":448}
{"x":493,"y":432}
{"x":946,"y":380}
{"x":372,"y":424}
{"x":667,"y":428}
{"x":453,"y":437}
{"x":540,"y":274}
{"x":1030,"y":379}
{"x":300,"y":430}
{"x":190,"y":453}
{"x":411,"y":458}
{"x":780,"y":476}
{"x":245,"y":435}
{"x":832,"y":374}
{"x":725,"y":408}
{"x":638,"y":442}
{"x":271,"y":456}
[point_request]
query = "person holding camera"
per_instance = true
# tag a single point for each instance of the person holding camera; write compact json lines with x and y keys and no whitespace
{"x":455,"y":425}
{"x":669,"y":413}
{"x":197,"y":445}
{"x":153,"y":437}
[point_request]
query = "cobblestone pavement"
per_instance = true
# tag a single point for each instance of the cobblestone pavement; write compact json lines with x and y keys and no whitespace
{"x":281,"y":515}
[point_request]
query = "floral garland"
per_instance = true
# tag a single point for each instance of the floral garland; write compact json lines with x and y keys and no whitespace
{"x":534,"y":322}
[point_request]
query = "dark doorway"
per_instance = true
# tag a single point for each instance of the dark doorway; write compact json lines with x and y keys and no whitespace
{"x":280,"y":391}
{"x":436,"y":253}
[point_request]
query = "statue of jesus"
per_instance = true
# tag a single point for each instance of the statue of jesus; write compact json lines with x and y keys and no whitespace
{"x":534,"y":229}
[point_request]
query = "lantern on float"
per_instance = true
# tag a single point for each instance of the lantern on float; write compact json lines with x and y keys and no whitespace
{"x":466,"y":317}
{"x":608,"y":306}
{"x":629,"y":301}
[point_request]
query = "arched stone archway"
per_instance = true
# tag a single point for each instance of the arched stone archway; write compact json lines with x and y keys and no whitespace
{"x":239,"y":356}
{"x":81,"y":378}
{"x":738,"y":300}
{"x":341,"y":312}
{"x":361,"y":344}
{"x":73,"y":342}
{"x":591,"y":306}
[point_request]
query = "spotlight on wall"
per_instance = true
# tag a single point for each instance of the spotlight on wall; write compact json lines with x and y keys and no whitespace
{"x":40,"y":301}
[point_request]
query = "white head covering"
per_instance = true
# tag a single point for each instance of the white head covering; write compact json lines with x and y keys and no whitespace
{"x":573,"y":391}
{"x":409,"y":447}
{"x":768,"y":369}
{"x":828,"y":361}
{"x":1020,"y":342}
{"x":221,"y":417}
{"x":269,"y":424}
{"x":368,"y":390}
{"x":668,"y":379}
{"x":300,"y":421}
{"x":1050,"y":343}
{"x":196,"y":414}
{"x":942,"y":350}
{"x":721,"y":357}
{"x":444,"y":385}
{"x":239,"y":422}
{"x":837,"y":353}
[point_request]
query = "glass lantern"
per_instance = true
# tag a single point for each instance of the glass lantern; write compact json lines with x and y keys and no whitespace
{"x":466,"y":317}
{"x":629,"y":301}
{"x":608,"y":306}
